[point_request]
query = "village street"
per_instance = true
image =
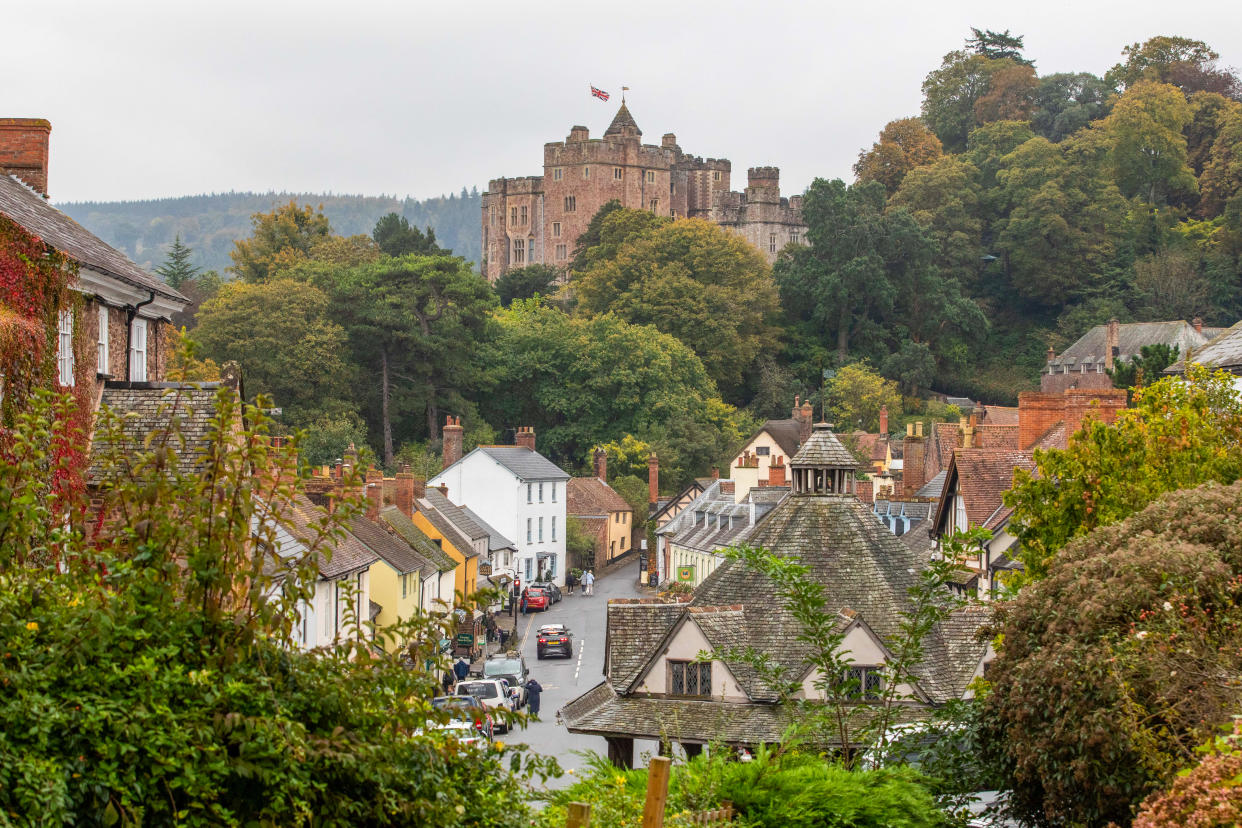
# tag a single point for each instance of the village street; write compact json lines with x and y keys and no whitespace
{"x":563,"y":679}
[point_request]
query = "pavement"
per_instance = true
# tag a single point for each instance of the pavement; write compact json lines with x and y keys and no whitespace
{"x":564,"y":679}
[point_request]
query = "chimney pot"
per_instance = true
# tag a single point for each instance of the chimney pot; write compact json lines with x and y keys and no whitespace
{"x":451,"y":436}
{"x":525,"y":437}
{"x":884,"y":419}
{"x":918,"y":429}
{"x":601,"y":464}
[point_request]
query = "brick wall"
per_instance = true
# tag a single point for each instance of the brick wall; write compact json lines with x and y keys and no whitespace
{"x":1038,"y":411}
{"x":24,"y":149}
{"x":1059,"y":382}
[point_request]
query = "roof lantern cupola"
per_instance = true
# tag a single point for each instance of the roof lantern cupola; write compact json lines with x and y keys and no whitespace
{"x":823,"y":466}
{"x":623,"y":125}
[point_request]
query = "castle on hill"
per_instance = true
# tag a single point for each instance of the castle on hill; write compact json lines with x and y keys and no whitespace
{"x":537,"y":219}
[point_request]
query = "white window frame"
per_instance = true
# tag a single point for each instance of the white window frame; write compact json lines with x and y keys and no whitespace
{"x":554,"y":528}
{"x":541,"y":529}
{"x":101,"y":357}
{"x":138,"y":350}
{"x":64,"y":347}
{"x":529,"y":536}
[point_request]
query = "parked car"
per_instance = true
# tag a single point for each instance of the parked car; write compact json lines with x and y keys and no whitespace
{"x":494,"y":693}
{"x":537,"y":599}
{"x":554,"y":638}
{"x":466,"y":709}
{"x":511,"y":667}
{"x":552,"y":589}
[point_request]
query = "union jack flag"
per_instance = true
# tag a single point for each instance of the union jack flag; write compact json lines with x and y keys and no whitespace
{"x":599,"y":93}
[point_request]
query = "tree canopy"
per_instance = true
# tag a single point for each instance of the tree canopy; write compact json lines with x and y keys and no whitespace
{"x":280,"y":238}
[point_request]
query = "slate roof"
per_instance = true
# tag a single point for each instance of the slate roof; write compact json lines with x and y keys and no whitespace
{"x":786,"y":433}
{"x":337,"y":557}
{"x":623,"y":118}
{"x":524,"y":463}
{"x":414,"y":536}
{"x":634,"y":628}
{"x":33,"y":212}
{"x":591,"y":496}
{"x":393,"y":549}
{"x":932,"y":488}
{"x":824,"y":449}
{"x":456,"y":515}
{"x":154,"y":408}
{"x":495,"y":540}
{"x":1224,"y":352}
{"x":714,"y":521}
{"x":445,"y":527}
{"x":1092,"y":347}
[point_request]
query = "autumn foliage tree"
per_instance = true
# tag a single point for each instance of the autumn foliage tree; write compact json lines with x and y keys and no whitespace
{"x":1116,"y":667}
{"x":904,"y":144}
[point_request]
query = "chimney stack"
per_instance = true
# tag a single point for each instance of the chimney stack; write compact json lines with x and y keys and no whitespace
{"x":797,"y":409}
{"x":884,"y":420}
{"x":525,"y":437}
{"x":715,"y":472}
{"x":1113,"y":343}
{"x":452,"y":435}
{"x":653,"y":479}
{"x":601,"y":464}
{"x":23,"y":150}
{"x":805,"y":414}
{"x":407,"y":490}
{"x":776,"y":472}
{"x":1197,"y":322}
{"x":913,"y":465}
{"x":374,"y":493}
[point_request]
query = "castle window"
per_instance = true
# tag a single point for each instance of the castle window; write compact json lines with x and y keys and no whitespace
{"x":556,"y":229}
{"x":715,"y":175}
{"x":561,"y":252}
{"x":650,"y":176}
{"x":491,"y":215}
{"x":556,"y":174}
{"x":655,"y":205}
{"x":772,"y":243}
{"x":523,"y":214}
{"x":519,"y":251}
{"x":513,"y":215}
{"x":571,"y":204}
{"x":586,"y":172}
{"x":617,"y":173}
{"x":794,"y":238}
{"x":672,"y":189}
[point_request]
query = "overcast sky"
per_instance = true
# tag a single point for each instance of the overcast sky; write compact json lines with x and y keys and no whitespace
{"x":168,"y":98}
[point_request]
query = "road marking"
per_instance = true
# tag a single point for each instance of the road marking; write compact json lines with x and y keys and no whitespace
{"x":578,"y":666}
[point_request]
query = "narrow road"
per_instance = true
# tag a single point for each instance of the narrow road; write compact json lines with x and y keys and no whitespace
{"x":565,"y":679}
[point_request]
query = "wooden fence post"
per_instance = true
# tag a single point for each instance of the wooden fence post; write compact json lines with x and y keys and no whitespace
{"x":657,"y":791}
{"x":579,"y":815}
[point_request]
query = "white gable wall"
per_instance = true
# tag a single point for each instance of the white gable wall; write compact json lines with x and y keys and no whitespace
{"x":859,"y":647}
{"x":686,"y":645}
{"x":747,"y":479}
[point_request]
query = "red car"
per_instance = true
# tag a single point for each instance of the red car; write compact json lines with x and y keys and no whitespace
{"x":537,"y":599}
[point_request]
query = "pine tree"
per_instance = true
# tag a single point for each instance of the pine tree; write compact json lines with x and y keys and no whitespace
{"x":176,"y":269}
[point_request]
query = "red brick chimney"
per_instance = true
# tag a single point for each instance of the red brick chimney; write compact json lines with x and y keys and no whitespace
{"x":805,"y":415}
{"x":776,"y":472}
{"x":374,"y":492}
{"x":23,"y":150}
{"x":407,"y":490}
{"x":601,"y":464}
{"x":1197,"y":323}
{"x":715,"y":472}
{"x":525,"y":437}
{"x":452,"y":434}
{"x":913,"y":462}
{"x":653,"y":479}
{"x":884,"y":419}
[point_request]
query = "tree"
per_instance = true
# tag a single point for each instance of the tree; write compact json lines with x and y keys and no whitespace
{"x":1147,"y":148}
{"x":1205,"y":794}
{"x":283,"y":335}
{"x":582,"y":382}
{"x":176,"y":269}
{"x":1188,"y":64}
{"x":1180,"y":433}
{"x":396,"y":238}
{"x":1123,"y":660}
{"x":997,"y":45}
{"x":280,"y":239}
{"x":1221,"y":178}
{"x":904,"y":145}
{"x":525,"y":283}
{"x":160,"y":679}
{"x":412,"y":322}
{"x":592,"y":235}
{"x":1010,"y":95}
{"x":1145,"y":368}
{"x":579,"y":544}
{"x":912,"y":366}
{"x":1067,"y":102}
{"x":950,"y":94}
{"x":856,"y":394}
{"x":1170,"y":286}
{"x":691,"y":279}
{"x":945,"y":198}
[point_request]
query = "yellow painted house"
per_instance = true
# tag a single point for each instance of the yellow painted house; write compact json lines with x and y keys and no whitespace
{"x":395,"y":579}
{"x":449,"y":529}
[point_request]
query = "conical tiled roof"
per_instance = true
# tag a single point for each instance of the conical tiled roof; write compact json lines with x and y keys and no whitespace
{"x":623,"y":119}
{"x":824,"y":449}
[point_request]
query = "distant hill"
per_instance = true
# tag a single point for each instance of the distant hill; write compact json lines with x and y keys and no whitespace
{"x":210,"y":224}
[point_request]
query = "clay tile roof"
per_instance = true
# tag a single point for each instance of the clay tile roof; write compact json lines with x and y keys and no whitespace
{"x":996,"y":436}
{"x":622,"y":119}
{"x":154,"y":410}
{"x":824,"y":449}
{"x":592,"y":496}
{"x":337,"y":557}
{"x":983,"y":477}
{"x":33,"y":212}
{"x":945,"y":439}
{"x":1057,"y":436}
{"x":999,"y":415}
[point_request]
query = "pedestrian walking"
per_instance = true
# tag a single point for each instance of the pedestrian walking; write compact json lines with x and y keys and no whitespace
{"x":570,"y":580}
{"x":533,"y":689}
{"x":461,"y":669}
{"x":524,"y":602}
{"x":588,"y":583}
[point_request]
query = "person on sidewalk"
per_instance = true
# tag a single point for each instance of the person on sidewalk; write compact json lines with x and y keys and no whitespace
{"x":524,"y":591}
{"x":461,"y":669}
{"x":533,"y":689}
{"x":588,"y":583}
{"x":570,"y":580}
